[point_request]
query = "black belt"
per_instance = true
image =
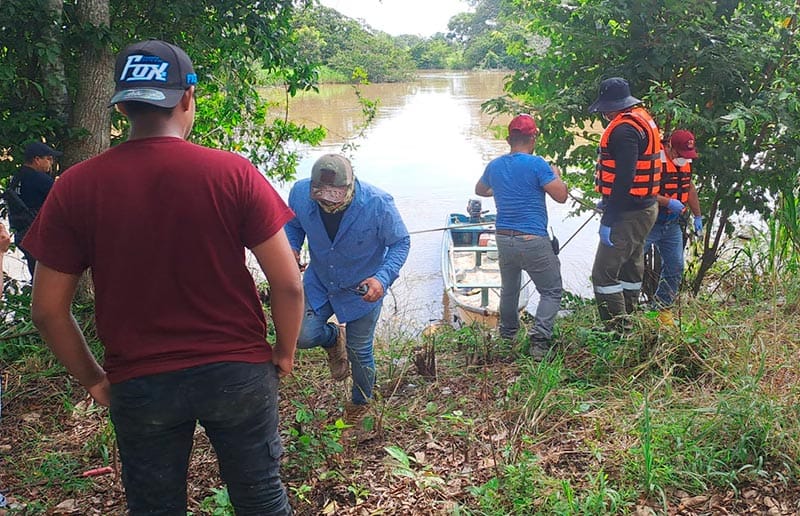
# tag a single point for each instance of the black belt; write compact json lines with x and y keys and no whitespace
{"x":511,"y":232}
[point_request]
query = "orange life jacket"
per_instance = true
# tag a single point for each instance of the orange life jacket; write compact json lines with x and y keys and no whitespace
{"x":647,"y":177}
{"x":675,"y":181}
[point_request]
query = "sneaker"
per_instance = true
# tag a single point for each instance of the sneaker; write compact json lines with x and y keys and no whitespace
{"x":539,"y":348}
{"x":337,"y":357}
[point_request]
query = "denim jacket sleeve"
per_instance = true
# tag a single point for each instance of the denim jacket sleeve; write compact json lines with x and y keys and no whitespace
{"x":294,"y":230}
{"x":396,"y":256}
{"x":398,"y":243}
{"x":295,"y":234}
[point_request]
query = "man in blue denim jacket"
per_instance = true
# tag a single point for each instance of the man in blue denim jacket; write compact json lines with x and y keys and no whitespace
{"x":357,"y":243}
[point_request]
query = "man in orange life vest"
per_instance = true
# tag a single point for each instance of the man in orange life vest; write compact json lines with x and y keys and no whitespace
{"x":677,"y":191}
{"x":628,"y":176}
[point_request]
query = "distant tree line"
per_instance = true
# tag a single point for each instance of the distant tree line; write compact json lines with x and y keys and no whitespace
{"x":479,"y":39}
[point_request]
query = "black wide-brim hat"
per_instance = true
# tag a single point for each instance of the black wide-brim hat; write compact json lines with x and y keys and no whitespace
{"x":615,"y":95}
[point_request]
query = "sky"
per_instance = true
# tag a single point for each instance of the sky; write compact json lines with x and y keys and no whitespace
{"x":420,"y":17}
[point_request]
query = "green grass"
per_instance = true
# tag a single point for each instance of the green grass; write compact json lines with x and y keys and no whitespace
{"x":58,"y":469}
{"x":610,"y":423}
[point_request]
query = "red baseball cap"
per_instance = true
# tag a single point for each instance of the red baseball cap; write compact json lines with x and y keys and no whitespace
{"x":523,"y":124}
{"x":682,"y":141}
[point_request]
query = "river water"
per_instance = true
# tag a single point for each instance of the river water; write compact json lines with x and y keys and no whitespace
{"x":427,"y":146}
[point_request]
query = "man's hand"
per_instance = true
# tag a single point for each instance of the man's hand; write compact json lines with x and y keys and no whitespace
{"x":375,"y":291}
{"x":600,"y":206}
{"x":101,"y":392}
{"x":284,"y":362}
{"x":675,"y":206}
{"x":605,"y":235}
{"x":302,"y":266}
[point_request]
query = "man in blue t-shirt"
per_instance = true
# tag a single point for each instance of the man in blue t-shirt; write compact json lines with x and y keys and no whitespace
{"x":518,"y":181}
{"x":33,"y":183}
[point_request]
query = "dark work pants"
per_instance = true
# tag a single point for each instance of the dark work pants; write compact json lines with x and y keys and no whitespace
{"x":617,"y":271}
{"x":154,"y":419}
{"x":29,"y":259}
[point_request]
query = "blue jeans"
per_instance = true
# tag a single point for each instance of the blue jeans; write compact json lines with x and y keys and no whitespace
{"x":668,"y":239}
{"x":237,"y":404}
{"x":534,"y":255}
{"x":317,"y":331}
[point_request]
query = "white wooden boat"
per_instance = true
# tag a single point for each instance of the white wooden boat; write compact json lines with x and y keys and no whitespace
{"x":471,"y":272}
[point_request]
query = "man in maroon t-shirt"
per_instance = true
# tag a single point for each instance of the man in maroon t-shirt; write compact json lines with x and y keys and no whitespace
{"x":163,"y":225}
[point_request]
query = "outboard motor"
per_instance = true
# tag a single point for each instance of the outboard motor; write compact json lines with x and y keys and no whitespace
{"x":474,"y":207}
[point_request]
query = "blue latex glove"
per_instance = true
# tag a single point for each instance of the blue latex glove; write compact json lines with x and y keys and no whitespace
{"x":600,"y":206}
{"x":605,"y":235}
{"x":675,"y":206}
{"x":698,"y":224}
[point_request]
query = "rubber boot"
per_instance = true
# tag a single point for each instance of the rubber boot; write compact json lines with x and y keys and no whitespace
{"x":631,"y":300}
{"x":610,"y":306}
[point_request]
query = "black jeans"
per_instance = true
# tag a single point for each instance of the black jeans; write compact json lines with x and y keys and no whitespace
{"x":29,"y":259}
{"x":237,"y":404}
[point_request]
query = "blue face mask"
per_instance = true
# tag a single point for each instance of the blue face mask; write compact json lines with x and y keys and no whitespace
{"x":681,"y":161}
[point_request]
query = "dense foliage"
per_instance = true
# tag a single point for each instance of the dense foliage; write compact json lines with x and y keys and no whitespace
{"x":326,"y":37}
{"x":57,"y":59}
{"x":726,"y":70}
{"x":485,"y":35}
{"x":479,"y":38}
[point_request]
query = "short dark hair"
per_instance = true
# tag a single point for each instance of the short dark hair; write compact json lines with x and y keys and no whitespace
{"x":134,"y":109}
{"x":518,"y":138}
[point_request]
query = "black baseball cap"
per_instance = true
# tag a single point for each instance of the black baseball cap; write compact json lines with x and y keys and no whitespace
{"x":154,"y":72}
{"x":36,"y":149}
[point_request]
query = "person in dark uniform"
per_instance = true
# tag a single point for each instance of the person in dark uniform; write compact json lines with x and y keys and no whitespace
{"x":628,"y":176}
{"x":32,"y":183}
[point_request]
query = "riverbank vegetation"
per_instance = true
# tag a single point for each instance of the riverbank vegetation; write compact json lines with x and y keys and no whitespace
{"x":476,"y":39}
{"x":726,"y":71}
{"x":696,"y":419}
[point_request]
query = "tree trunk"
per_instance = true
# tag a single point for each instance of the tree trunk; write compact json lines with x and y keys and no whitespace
{"x":53,"y":77}
{"x":91,"y":117}
{"x":710,"y":250}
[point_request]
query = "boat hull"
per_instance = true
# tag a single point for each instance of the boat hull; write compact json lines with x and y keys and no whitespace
{"x":471,"y":272}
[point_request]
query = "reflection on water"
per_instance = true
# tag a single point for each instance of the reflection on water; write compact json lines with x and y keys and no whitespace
{"x":428,"y":146}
